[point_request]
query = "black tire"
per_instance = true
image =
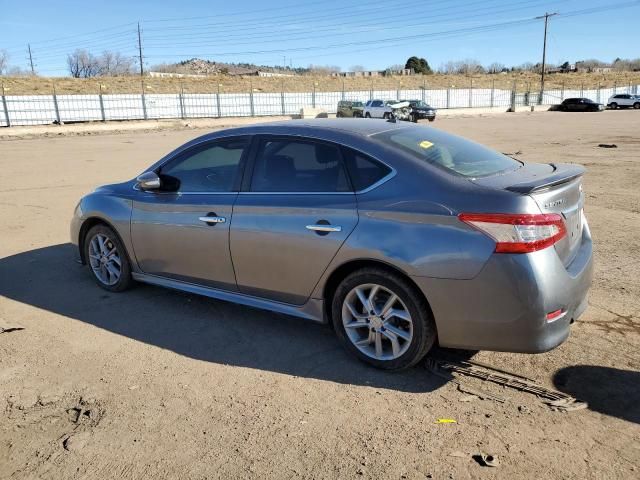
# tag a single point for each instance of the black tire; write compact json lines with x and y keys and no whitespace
{"x":338,"y":115}
{"x":636,"y":105}
{"x":613,"y":105}
{"x":124,"y":281}
{"x":385,"y":115}
{"x":432,"y":119}
{"x":367,"y":115}
{"x":424,"y":329}
{"x":413,"y":118}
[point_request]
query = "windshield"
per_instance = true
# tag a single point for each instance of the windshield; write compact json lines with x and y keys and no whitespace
{"x":452,"y":153}
{"x":357,"y":104}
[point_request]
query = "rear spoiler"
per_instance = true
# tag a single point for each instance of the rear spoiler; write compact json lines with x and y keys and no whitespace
{"x":562,"y":173}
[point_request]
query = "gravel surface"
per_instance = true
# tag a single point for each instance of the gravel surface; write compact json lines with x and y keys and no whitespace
{"x":158,"y":384}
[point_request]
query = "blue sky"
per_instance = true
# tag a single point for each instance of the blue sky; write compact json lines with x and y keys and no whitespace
{"x":373,"y":33}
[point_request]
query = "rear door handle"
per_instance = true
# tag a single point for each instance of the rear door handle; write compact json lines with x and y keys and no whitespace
{"x":324,"y":228}
{"x":212,"y":219}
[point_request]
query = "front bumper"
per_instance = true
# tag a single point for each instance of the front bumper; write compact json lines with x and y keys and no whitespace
{"x":504,"y":307}
{"x":424,"y":115}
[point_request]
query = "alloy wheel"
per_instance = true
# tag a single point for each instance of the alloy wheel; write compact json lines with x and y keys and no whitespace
{"x":377,"y":322}
{"x":105,"y":260}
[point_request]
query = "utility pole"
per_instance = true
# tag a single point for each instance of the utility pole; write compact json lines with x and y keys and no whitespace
{"x":544,"y":48}
{"x":140,"y":51}
{"x":33,"y":70}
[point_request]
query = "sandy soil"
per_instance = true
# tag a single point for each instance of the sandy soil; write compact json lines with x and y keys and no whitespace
{"x":157,"y":384}
{"x":524,"y":81}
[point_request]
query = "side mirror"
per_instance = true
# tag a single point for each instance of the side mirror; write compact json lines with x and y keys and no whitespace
{"x":148,"y":181}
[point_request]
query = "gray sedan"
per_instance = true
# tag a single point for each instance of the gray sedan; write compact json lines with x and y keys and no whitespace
{"x":401,"y":236}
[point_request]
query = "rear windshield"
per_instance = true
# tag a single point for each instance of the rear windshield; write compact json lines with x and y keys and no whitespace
{"x":452,"y":153}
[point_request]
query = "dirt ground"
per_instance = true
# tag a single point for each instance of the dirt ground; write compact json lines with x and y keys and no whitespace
{"x":157,"y":384}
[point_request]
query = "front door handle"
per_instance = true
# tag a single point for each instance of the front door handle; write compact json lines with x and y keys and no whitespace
{"x":324,"y":228}
{"x":212,"y":219}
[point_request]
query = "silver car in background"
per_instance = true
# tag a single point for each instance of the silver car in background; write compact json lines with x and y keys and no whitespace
{"x":399,"y":235}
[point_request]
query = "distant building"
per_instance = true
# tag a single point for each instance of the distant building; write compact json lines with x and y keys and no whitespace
{"x":374,"y":73}
{"x":581,"y":67}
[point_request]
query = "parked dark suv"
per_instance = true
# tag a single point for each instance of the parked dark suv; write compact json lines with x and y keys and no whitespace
{"x":347,"y":108}
{"x":420,"y":110}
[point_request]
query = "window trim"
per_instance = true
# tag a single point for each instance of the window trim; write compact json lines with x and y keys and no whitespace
{"x":237,"y":182}
{"x":245,"y":188}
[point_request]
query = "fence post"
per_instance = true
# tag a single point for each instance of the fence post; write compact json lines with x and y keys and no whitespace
{"x":598,"y":93}
{"x":342,"y":98}
{"x":424,"y":90}
{"x":493,"y":92}
{"x":398,"y":91}
{"x":144,"y":100}
{"x":371,"y":90}
{"x":471,"y":93}
{"x":101,"y":100}
{"x":615,"y":87}
{"x":562,"y":92}
{"x":282,"y":99}
{"x":513,"y":97}
{"x":448,"y":95}
{"x":313,"y":96}
{"x":251,"y":105}
{"x":55,"y":105}
{"x":181,"y":100}
{"x":4,"y":106}
{"x":218,"y":101}
{"x":582,"y":89}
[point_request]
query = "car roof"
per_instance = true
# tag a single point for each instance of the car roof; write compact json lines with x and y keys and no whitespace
{"x":354,"y":126}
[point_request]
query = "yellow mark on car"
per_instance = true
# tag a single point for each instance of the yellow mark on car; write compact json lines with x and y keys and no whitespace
{"x":426,"y":144}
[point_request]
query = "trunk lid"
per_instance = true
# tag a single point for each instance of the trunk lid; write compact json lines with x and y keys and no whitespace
{"x":556,"y":188}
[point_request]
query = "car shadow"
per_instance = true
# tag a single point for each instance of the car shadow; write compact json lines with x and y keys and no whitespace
{"x":196,"y":327}
{"x":610,"y":391}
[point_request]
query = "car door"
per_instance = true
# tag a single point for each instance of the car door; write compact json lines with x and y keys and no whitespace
{"x":295,"y":211}
{"x":182,"y":231}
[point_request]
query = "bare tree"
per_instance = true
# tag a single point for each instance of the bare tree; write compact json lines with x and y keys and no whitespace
{"x":83,"y":64}
{"x":114,"y":64}
{"x":4,"y":62}
{"x":496,"y":67}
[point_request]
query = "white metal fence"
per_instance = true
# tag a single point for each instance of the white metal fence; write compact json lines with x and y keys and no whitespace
{"x":46,"y":109}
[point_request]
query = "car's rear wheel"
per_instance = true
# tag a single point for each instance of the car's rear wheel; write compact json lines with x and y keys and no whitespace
{"x":385,"y":115}
{"x":107,"y":259}
{"x":338,"y":115}
{"x":382,"y":319}
{"x":636,"y":105}
{"x":367,"y":115}
{"x":613,"y":105}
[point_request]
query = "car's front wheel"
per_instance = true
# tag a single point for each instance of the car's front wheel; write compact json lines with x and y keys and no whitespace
{"x":107,"y":259}
{"x":636,"y":105}
{"x":613,"y":105}
{"x":382,"y":319}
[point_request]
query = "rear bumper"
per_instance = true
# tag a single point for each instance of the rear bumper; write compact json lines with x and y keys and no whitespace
{"x":504,"y":307}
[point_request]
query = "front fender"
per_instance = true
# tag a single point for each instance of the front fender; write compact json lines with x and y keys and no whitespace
{"x":102,"y":208}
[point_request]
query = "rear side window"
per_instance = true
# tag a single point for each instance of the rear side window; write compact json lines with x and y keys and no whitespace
{"x":449,"y":152}
{"x":284,"y":165}
{"x":364,"y":171}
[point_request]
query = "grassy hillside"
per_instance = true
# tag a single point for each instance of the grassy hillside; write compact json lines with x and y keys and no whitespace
{"x":235,"y":84}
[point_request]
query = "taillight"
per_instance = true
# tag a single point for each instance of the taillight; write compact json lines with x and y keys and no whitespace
{"x":521,"y":233}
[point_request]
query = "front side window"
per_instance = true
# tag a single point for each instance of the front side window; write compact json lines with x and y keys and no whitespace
{"x":291,"y":165}
{"x":447,"y":151}
{"x":212,"y":167}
